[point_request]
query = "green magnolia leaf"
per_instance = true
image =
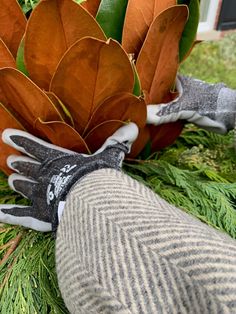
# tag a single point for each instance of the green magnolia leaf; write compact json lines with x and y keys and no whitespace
{"x":137,"y":83}
{"x":146,"y":152}
{"x":110,"y":16}
{"x":190,"y":30}
{"x":20,"y":62}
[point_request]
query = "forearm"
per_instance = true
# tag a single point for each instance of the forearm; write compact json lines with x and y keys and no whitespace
{"x":122,"y":249}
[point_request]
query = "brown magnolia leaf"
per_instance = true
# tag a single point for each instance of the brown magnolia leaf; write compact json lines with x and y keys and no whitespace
{"x":91,"y":6}
{"x":123,"y":107}
{"x":6,"y":58}
{"x":140,"y":143}
{"x":91,"y":71}
{"x":61,"y":134}
{"x":54,"y":26}
{"x":64,"y":112}
{"x":158,"y":60}
{"x":165,"y":135}
{"x":25,"y":99}
{"x":12,"y":24}
{"x":139,"y":16}
{"x":97,"y":136}
{"x":7,"y":120}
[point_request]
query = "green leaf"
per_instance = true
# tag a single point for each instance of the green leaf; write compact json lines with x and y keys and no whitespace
{"x":137,"y":83}
{"x":146,"y":152}
{"x":110,"y":16}
{"x":190,"y":30}
{"x":20,"y":62}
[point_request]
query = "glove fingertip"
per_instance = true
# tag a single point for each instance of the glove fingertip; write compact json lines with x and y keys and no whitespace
{"x":10,"y":161}
{"x":24,"y":184}
{"x":6,"y":136}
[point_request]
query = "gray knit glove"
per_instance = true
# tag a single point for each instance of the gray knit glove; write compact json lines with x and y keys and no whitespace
{"x":48,"y":173}
{"x":209,"y":106}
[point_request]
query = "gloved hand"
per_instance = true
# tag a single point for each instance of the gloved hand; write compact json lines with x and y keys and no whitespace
{"x":46,"y":175}
{"x":209,"y":106}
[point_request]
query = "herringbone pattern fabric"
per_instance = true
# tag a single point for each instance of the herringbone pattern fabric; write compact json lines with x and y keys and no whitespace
{"x":122,"y":249}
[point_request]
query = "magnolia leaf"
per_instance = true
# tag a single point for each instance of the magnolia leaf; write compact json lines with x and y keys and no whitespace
{"x":123,"y":107}
{"x":6,"y":58}
{"x":54,"y":26}
{"x":146,"y":152}
{"x":91,"y":71}
{"x":7,"y":121}
{"x":20,"y":95}
{"x":139,"y":16}
{"x":140,"y":143}
{"x":97,"y":136}
{"x":190,"y":30}
{"x":137,"y":83}
{"x":165,"y":135}
{"x":20,"y":61}
{"x":12,"y":24}
{"x":64,"y":112}
{"x":61,"y":134}
{"x":91,"y":6}
{"x":158,"y":61}
{"x":110,"y":16}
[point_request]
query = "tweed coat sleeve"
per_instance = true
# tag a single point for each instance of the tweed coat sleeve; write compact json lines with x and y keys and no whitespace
{"x":122,"y":249}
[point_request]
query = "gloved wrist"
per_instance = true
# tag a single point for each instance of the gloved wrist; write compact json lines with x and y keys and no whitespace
{"x":209,"y":106}
{"x":226,"y":107}
{"x":73,"y":171}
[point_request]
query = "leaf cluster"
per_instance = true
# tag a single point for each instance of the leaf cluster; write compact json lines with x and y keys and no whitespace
{"x":84,"y":65}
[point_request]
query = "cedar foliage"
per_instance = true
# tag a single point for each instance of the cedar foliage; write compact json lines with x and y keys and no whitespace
{"x":196,"y":174}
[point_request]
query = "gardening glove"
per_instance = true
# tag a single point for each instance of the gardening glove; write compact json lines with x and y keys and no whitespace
{"x":47,"y":173}
{"x":209,"y":106}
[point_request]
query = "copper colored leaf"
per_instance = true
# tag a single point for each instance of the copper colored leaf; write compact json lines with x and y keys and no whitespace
{"x":20,"y":95}
{"x":53,"y":27}
{"x":158,"y":60}
{"x":65,"y":114}
{"x":165,"y":135}
{"x":97,"y":136}
{"x":91,"y":71}
{"x":123,"y":107}
{"x":91,"y":6}
{"x":62,"y":134}
{"x":139,"y":16}
{"x":6,"y":58}
{"x":7,"y":121}
{"x":140,"y":143}
{"x":12,"y":24}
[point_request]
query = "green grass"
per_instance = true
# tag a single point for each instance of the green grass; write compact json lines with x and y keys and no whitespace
{"x":213,"y":61}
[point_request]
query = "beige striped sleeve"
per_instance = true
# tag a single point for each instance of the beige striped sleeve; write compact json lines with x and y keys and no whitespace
{"x":122,"y":249}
